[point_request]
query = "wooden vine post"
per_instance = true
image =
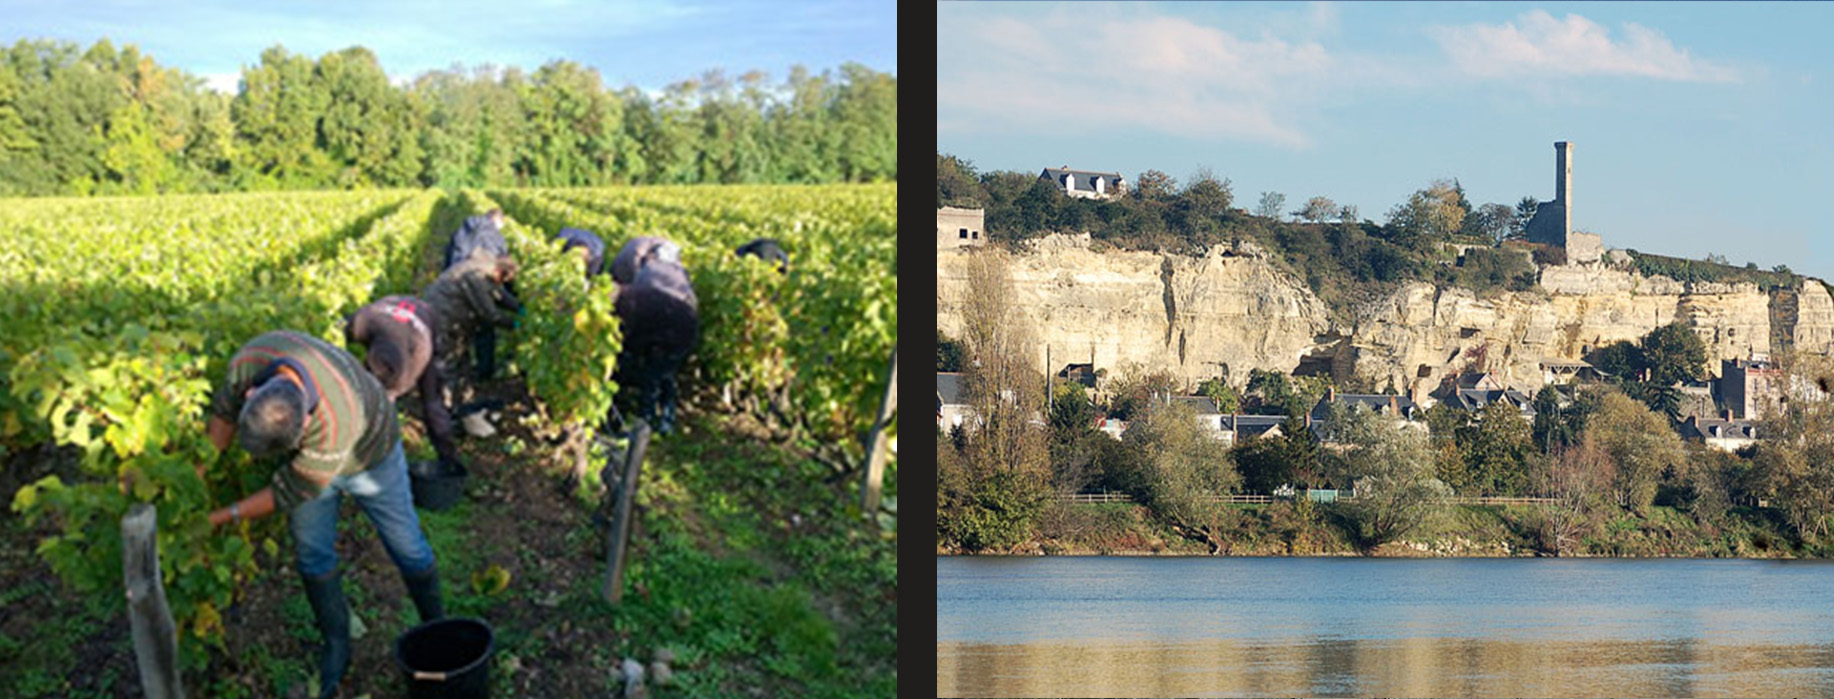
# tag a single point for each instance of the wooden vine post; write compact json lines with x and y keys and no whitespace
{"x":622,"y":498}
{"x":155,"y":636}
{"x":875,"y":445}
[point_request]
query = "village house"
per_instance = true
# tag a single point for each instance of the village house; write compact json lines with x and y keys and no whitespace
{"x":952,"y":409}
{"x":1565,"y":373}
{"x":1392,"y":405}
{"x":1209,"y":419}
{"x":1747,"y":386}
{"x":1084,"y":184}
{"x":1473,"y":400}
{"x":1238,"y":428}
{"x":1079,"y":373}
{"x":958,"y":228}
{"x":1724,"y":432}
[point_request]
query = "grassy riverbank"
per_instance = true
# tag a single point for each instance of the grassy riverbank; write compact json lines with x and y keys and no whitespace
{"x":1295,"y":529}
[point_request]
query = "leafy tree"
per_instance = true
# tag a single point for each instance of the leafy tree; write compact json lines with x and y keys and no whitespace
{"x":1072,"y":413}
{"x":1674,"y":353}
{"x":1289,"y":458}
{"x":1270,"y":205}
{"x":806,"y":144}
{"x":574,"y":129}
{"x":133,"y":157}
{"x":1349,"y":215}
{"x":1205,"y":199}
{"x":1154,"y":185}
{"x":1497,"y":449}
{"x":1525,"y":211}
{"x":956,"y":182}
{"x":1490,"y":221}
{"x":1794,"y":464}
{"x":1552,"y":428}
{"x":1269,"y":390}
{"x":1006,"y":461}
{"x":277,"y":122}
{"x":1429,"y":214}
{"x":866,"y":110}
{"x":948,"y":353}
{"x":1318,"y":210}
{"x":1134,"y":389}
{"x":13,"y":134}
{"x":1391,"y":469}
{"x":1185,"y":469}
{"x":1038,"y":208}
{"x":1621,"y":358}
{"x":1220,"y":393}
{"x":1580,"y":479}
{"x":1638,"y":446}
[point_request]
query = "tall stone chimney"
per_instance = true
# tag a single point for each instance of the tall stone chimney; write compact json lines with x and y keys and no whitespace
{"x":1563,"y":183}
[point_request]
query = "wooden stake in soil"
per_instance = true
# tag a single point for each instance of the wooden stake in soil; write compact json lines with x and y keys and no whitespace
{"x":155,"y":636}
{"x":875,"y":445}
{"x":625,"y":496}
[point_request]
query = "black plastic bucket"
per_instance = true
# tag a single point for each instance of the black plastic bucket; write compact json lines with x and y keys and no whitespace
{"x":435,"y":486}
{"x":448,"y":658}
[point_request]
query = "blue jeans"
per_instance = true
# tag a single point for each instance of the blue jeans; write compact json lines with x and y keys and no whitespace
{"x":384,"y":494}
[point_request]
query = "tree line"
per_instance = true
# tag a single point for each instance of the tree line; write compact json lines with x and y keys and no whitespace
{"x":108,"y":120}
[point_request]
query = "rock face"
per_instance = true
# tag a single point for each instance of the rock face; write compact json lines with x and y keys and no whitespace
{"x":1161,"y":311}
{"x":1190,"y":314}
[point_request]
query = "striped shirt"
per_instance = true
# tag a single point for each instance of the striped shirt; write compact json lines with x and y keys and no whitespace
{"x":352,"y":429}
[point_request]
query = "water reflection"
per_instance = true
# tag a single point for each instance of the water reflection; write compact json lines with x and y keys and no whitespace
{"x":1422,"y":667}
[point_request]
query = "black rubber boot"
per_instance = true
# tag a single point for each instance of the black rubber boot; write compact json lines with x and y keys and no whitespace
{"x":328,"y":604}
{"x":424,"y":588}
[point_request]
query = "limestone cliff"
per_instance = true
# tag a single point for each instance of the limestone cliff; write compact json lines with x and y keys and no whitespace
{"x":1190,"y":314}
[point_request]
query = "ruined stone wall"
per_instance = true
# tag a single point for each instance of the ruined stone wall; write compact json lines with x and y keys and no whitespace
{"x":1584,"y":247}
{"x":950,"y":221}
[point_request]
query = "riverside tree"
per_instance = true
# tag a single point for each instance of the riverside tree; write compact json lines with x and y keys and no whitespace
{"x":1184,"y":469}
{"x":1004,"y":484}
{"x":1795,"y":462}
{"x":1391,"y":467}
{"x":1638,"y":446}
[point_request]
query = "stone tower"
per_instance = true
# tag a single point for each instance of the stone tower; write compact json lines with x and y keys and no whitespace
{"x":1553,"y":221}
{"x":1563,"y":183}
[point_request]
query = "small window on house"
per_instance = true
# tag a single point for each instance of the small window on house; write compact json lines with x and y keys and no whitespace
{"x":977,"y":235}
{"x":964,"y":232}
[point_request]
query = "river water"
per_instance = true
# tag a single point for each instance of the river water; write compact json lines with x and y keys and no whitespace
{"x":1097,"y":626}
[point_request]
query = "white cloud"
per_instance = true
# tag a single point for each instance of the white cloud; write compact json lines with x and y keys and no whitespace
{"x":1089,"y":69}
{"x":1543,"y":45}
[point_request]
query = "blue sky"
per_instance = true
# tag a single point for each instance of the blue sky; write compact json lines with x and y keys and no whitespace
{"x":1697,"y":127}
{"x":648,"y":44}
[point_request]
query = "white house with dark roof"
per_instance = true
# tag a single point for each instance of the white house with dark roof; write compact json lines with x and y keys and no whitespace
{"x":1724,"y":432}
{"x":1209,"y":419}
{"x":1085,"y":184}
